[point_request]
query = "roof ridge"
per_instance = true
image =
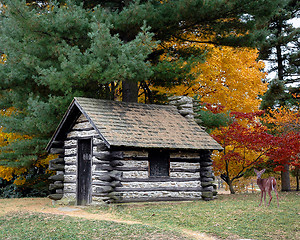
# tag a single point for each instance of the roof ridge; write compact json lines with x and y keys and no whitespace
{"x":125,"y":103}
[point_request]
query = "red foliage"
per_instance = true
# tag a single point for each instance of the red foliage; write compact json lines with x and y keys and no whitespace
{"x":287,"y":151}
{"x":214,"y":108}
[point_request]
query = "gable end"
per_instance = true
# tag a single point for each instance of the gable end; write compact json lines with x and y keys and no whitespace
{"x":68,"y":121}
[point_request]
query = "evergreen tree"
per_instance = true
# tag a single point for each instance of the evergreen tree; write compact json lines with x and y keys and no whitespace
{"x":55,"y":51}
{"x":281,"y":49}
{"x":53,"y":54}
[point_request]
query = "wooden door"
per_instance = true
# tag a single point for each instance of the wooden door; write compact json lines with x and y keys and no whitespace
{"x":84,"y":178}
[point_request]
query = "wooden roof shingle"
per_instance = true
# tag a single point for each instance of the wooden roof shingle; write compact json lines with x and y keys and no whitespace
{"x":136,"y":125}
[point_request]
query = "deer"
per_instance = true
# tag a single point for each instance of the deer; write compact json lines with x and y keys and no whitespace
{"x":266,"y":185}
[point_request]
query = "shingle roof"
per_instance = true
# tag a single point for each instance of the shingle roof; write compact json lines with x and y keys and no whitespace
{"x":144,"y":125}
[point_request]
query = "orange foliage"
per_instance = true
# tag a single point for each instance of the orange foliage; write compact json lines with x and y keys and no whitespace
{"x":230,"y":77}
{"x":283,"y":119}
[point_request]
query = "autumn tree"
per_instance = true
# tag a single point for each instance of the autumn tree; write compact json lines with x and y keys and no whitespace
{"x":230,"y":77}
{"x":246,"y":143}
{"x":284,"y":122}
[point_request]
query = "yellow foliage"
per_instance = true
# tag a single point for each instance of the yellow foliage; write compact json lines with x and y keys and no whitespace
{"x":7,"y":173}
{"x":231,"y":77}
{"x":3,"y":59}
{"x":20,"y":181}
{"x":236,"y":165}
{"x":7,"y":112}
{"x":44,"y":162}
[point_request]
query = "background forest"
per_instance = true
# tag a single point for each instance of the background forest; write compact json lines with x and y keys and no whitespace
{"x":147,"y":51}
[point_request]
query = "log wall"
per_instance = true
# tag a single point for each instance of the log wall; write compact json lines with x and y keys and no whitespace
{"x":183,"y":183}
{"x":123,"y":176}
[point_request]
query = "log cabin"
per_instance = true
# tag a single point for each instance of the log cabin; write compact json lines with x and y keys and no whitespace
{"x":111,"y":151}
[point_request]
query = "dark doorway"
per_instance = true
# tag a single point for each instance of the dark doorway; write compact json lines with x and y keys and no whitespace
{"x":84,"y":178}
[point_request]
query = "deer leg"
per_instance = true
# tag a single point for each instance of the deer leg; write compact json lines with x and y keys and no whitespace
{"x":261,"y":196}
{"x":275,"y":190}
{"x":270,"y":195}
{"x":265,"y":198}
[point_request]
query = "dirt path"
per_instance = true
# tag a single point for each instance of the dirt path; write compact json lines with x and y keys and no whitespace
{"x":44,"y":205}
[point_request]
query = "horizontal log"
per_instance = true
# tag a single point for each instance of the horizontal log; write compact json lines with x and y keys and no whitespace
{"x":207,"y":168}
{"x":137,"y":158}
{"x":208,"y":189}
{"x":104,"y":177}
{"x":55,"y":196}
{"x":184,"y":170}
{"x":116,"y":184}
{"x":70,"y":155}
{"x":157,"y":199}
{"x":115,"y":163}
{"x":189,"y":160}
{"x":206,"y":174}
{"x":101,"y":183}
{"x":205,"y":164}
{"x":56,"y":177}
{"x":57,"y":161}
{"x":206,"y":184}
{"x":116,"y":175}
{"x":123,"y":169}
{"x":207,"y":179}
{"x":114,"y":195}
{"x":100,"y":161}
{"x":59,"y":191}
{"x":57,"y":150}
{"x":54,"y":186}
{"x":56,"y":167}
{"x":82,"y":129}
{"x":103,"y":167}
{"x":102,"y":195}
{"x":158,"y":189}
{"x":103,"y":189}
{"x":159,"y":179}
{"x":109,"y":155}
{"x":80,"y":137}
{"x":70,"y":147}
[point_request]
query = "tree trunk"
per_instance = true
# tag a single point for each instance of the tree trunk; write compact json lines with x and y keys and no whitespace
{"x":297,"y":171}
{"x":285,"y":179}
{"x":130,"y":91}
{"x":231,"y":188}
{"x":279,"y":52}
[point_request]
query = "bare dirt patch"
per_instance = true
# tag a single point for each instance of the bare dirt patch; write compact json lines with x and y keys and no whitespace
{"x":45,"y":205}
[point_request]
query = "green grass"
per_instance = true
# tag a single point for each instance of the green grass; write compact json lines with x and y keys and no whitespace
{"x":23,"y":225}
{"x":230,"y":216}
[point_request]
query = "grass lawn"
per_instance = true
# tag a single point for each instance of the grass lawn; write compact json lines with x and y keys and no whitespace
{"x":230,"y":216}
{"x":22,"y":225}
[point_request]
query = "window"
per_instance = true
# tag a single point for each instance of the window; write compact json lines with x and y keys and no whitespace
{"x":159,"y":163}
